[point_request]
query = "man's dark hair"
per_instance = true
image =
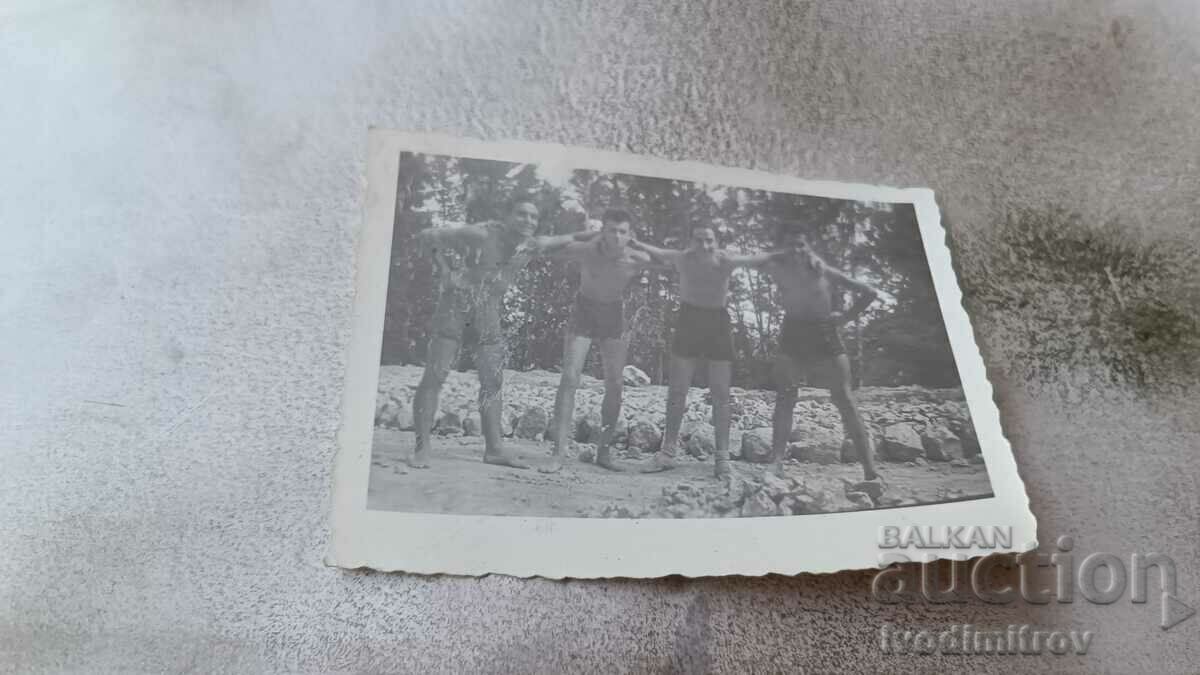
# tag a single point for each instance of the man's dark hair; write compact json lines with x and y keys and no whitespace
{"x":701,"y":225}
{"x":616,"y":216}
{"x":518,"y":200}
{"x":790,"y":228}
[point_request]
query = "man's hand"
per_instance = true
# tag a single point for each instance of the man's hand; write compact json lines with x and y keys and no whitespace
{"x":586,"y":236}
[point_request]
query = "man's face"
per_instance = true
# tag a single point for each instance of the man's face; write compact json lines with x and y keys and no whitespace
{"x":524,"y":219}
{"x":703,"y":239}
{"x":615,"y":234}
{"x":797,"y":244}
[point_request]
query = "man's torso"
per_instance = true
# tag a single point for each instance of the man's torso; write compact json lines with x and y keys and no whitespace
{"x":602,"y":277}
{"x":490,"y":267}
{"x":703,"y":279}
{"x":804,"y":293}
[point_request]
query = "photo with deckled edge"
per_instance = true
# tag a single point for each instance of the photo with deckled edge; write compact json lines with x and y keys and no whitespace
{"x":573,"y":339}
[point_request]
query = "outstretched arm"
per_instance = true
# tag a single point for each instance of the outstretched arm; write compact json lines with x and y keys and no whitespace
{"x":566,"y":244}
{"x":662,"y":256}
{"x":756,"y":260}
{"x":864,"y":294}
{"x":463,"y":236}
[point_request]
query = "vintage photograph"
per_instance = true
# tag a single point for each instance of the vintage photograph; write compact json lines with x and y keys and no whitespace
{"x":558,"y":334}
{"x":567,"y":342}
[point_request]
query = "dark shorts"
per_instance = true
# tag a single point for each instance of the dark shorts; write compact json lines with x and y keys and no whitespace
{"x":702,"y":333}
{"x":807,"y":340}
{"x":597,"y":320}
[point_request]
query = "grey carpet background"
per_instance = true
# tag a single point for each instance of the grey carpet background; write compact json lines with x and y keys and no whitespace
{"x":182,"y":189}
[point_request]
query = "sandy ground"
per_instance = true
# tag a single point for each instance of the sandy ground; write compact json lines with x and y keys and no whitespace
{"x":459,"y":482}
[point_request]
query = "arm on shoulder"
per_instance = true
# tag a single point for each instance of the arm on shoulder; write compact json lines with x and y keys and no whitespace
{"x":645,"y":261}
{"x":755,"y":260}
{"x":564,"y":243}
{"x":452,"y":237}
{"x":853,"y":284}
{"x":662,"y":256}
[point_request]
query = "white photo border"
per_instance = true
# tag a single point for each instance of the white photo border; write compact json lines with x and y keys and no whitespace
{"x":596,"y":547}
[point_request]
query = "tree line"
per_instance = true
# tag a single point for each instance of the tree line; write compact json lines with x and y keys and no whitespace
{"x":899,"y":341}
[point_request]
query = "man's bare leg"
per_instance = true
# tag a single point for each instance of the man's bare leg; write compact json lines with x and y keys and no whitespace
{"x":679,"y":380}
{"x":785,"y":408}
{"x":719,"y":375}
{"x":613,"y":354}
{"x":490,"y":364}
{"x":843,"y":398}
{"x":575,"y":350}
{"x":425,"y":401}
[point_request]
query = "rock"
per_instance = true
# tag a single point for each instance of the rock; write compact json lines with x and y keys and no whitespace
{"x":977,"y":459}
{"x":941,"y":445}
{"x":872,"y":488}
{"x":385,"y":414}
{"x":699,"y":440}
{"x":533,"y":423}
{"x":849,"y":452}
{"x":920,"y":461}
{"x":756,"y":446}
{"x":775,"y":487}
{"x":860,"y":500}
{"x":737,"y":488}
{"x":587,"y":427}
{"x":815,"y":454}
{"x":587,"y":453}
{"x":901,"y":443}
{"x":590,"y":427}
{"x":643,"y":436}
{"x":965,"y":431}
{"x":507,"y":425}
{"x":471,"y":425}
{"x":679,"y":510}
{"x":449,"y":424}
{"x":960,"y":462}
{"x":788,"y":506}
{"x":634,"y":377}
{"x":722,"y":504}
{"x":889,"y":501}
{"x":802,"y":504}
{"x":404,"y":418}
{"x":758,"y":505}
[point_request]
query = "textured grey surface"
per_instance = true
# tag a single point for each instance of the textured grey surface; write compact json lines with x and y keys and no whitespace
{"x":181,"y":194}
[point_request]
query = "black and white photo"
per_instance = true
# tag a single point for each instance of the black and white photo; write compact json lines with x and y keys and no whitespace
{"x":571,"y":336}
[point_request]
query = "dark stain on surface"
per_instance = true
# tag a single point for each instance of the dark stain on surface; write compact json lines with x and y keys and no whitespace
{"x":1119,"y":30}
{"x":690,"y":648}
{"x":1063,"y":293}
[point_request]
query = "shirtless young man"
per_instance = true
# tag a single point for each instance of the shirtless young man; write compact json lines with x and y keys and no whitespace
{"x":810,"y":342}
{"x":703,"y":333}
{"x":492,"y":255}
{"x":606,"y":268}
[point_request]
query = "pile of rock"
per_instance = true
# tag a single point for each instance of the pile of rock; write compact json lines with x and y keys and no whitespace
{"x":906,"y":423}
{"x":746,"y":495}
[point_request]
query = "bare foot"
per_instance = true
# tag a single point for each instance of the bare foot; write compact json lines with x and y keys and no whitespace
{"x":502,"y":458}
{"x":553,"y":466}
{"x":419,"y":460}
{"x":605,"y":459}
{"x":660,"y":462}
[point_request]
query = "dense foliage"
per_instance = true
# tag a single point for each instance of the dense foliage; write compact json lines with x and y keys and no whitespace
{"x":899,"y":341}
